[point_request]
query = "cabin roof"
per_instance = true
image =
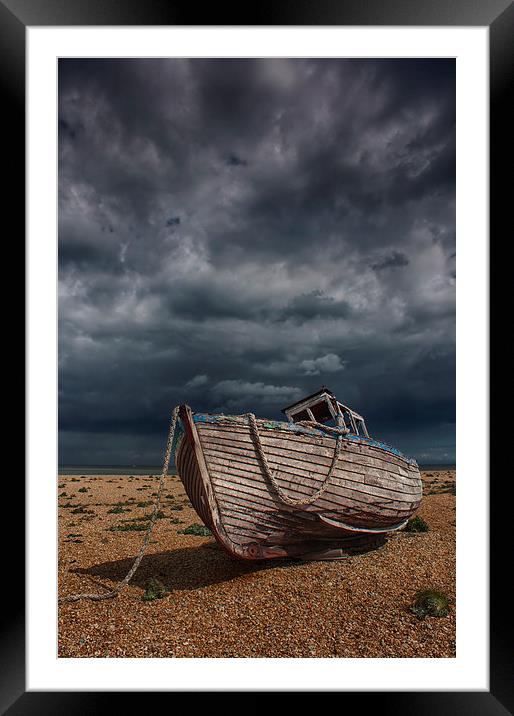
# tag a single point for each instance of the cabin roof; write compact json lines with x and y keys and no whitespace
{"x":309,"y":397}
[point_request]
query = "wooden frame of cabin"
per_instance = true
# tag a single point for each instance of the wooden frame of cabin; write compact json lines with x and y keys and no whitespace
{"x":323,"y":406}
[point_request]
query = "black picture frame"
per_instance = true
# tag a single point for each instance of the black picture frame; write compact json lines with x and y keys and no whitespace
{"x":498,"y":15}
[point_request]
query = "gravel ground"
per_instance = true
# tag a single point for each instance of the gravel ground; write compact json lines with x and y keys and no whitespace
{"x":220,"y":607}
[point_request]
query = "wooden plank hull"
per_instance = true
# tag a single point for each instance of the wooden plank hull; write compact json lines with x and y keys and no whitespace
{"x":372,"y":492}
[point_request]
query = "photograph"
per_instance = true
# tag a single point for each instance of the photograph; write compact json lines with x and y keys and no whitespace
{"x":260,"y":283}
{"x":256,"y":357}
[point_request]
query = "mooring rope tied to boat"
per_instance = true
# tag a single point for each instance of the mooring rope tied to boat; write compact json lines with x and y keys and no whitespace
{"x":153,"y":517}
{"x":167,"y":456}
{"x":254,"y":429}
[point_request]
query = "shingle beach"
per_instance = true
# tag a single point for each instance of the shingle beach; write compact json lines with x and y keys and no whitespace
{"x":219,"y":607}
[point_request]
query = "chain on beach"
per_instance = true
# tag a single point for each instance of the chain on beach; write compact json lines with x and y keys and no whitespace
{"x":124,"y":582}
{"x":267,"y":471}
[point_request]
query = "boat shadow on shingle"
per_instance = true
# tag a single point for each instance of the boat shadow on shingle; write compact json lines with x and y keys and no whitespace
{"x":182,"y":569}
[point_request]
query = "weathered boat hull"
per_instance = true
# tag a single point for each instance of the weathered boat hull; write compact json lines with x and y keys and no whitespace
{"x":372,"y":492}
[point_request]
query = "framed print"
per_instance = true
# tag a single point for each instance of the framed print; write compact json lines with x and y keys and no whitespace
{"x":209,"y":186}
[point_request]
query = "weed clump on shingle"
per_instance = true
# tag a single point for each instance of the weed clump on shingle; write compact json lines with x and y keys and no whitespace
{"x":81,"y":510}
{"x":145,"y":518}
{"x":430,"y":603}
{"x":154,"y":589}
{"x":416,"y":524}
{"x":198,"y":530}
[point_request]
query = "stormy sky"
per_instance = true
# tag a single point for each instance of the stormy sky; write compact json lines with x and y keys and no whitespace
{"x":235,"y":233}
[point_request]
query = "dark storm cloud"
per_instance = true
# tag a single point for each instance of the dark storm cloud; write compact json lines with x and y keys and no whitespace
{"x":394,"y":260}
{"x":234,"y":161}
{"x":234,"y":233}
{"x":315,"y":304}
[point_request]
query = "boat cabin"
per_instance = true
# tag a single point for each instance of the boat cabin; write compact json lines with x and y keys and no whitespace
{"x":324,"y":408}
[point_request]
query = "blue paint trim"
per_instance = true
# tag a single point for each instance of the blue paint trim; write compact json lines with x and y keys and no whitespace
{"x":300,"y":430}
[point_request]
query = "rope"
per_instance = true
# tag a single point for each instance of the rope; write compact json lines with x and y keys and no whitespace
{"x":285,"y":498}
{"x":123,"y":583}
{"x":324,"y":428}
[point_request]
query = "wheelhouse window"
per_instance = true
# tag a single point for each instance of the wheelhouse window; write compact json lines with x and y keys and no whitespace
{"x":348,"y":421}
{"x":321,"y":411}
{"x":361,"y":427}
{"x":302,"y":415}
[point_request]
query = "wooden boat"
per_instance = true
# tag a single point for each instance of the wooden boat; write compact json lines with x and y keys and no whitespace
{"x":315,"y":487}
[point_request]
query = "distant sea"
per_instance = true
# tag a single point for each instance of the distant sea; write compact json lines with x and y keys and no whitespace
{"x":112,"y":469}
{"x":436,"y":467}
{"x":156,"y":469}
